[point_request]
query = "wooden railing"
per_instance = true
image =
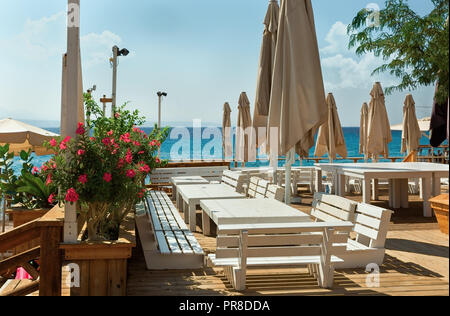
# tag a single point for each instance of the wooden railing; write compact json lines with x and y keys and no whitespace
{"x":49,"y":229}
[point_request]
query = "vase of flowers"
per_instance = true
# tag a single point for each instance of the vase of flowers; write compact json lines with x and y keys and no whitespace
{"x":103,"y":169}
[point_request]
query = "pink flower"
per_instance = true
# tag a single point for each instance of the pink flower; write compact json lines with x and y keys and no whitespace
{"x":35,"y":170}
{"x":117,"y":115}
{"x":53,"y":142}
{"x":92,"y":139}
{"x":129,"y":157}
{"x":80,"y":129}
{"x":131,"y":173}
{"x":63,"y":144}
{"x":157,"y":160}
{"x":107,"y":177}
{"x":121,"y":163}
{"x":144,"y":168}
{"x":44,"y":167}
{"x":106,"y":141}
{"x":83,"y":179}
{"x":81,"y":152}
{"x":125,"y":138}
{"x":72,"y":195}
{"x":141,"y":152}
{"x":135,"y":143}
{"x":50,"y":198}
{"x":49,"y":179}
{"x":110,"y":133}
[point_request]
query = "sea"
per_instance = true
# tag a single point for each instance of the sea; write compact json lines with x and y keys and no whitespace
{"x":184,"y":144}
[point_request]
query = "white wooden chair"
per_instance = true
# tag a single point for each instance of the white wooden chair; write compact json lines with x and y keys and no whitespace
{"x":242,"y":246}
{"x":236,"y":180}
{"x":160,"y":177}
{"x":260,"y":188}
{"x":166,"y":240}
{"x":371,"y":227}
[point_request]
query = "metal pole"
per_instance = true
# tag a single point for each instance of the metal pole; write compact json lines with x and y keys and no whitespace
{"x":159,"y":119}
{"x":114,"y":83}
{"x":71,"y":104}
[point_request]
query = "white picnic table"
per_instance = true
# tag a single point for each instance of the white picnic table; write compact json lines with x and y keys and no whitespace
{"x":186,"y":180}
{"x":191,"y":195}
{"x":396,"y":173}
{"x":248,"y":211}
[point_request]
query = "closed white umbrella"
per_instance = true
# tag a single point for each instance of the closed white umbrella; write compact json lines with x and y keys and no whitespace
{"x":363,"y":131}
{"x":331,"y":137}
{"x":265,"y":70}
{"x":226,"y":131}
{"x":379,"y":135}
{"x":411,"y":134}
{"x":244,"y":122}
{"x":22,"y":136}
{"x":297,"y":104}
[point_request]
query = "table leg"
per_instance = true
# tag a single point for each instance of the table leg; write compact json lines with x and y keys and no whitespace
{"x":177,"y":202}
{"x":174,"y":192}
{"x":404,"y":193}
{"x":391,"y":193}
{"x":185,"y":211}
{"x":206,"y":224}
{"x":396,"y":193}
{"x":318,"y":184}
{"x":426,"y":190}
{"x":340,"y":185}
{"x":436,"y":189}
{"x":375,"y":191}
{"x":366,"y":191}
{"x":335,"y":183}
{"x":192,"y":216}
{"x":421,"y":188}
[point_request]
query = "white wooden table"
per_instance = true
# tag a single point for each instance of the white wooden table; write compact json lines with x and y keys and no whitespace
{"x":396,"y":173}
{"x":186,"y":180}
{"x":248,"y":211}
{"x":191,"y":195}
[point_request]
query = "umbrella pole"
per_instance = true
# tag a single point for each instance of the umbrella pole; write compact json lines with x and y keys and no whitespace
{"x":290,"y":159}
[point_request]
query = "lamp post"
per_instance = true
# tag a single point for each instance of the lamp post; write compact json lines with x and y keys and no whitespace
{"x":114,"y":61}
{"x":160,"y":95}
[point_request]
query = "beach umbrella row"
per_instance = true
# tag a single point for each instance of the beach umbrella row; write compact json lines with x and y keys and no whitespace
{"x":331,"y":139}
{"x":244,"y":122}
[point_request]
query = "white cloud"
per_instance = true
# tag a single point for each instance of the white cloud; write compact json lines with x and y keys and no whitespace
{"x":97,"y":48}
{"x":337,"y":39}
{"x":344,"y":69}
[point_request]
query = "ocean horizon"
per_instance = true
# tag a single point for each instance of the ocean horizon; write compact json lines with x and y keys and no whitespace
{"x":211,"y":146}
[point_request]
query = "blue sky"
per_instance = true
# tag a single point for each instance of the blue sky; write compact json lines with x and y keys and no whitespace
{"x":202,"y":52}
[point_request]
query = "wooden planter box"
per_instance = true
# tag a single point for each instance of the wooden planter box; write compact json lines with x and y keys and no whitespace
{"x":102,"y":265}
{"x":22,"y":216}
{"x":440,"y":205}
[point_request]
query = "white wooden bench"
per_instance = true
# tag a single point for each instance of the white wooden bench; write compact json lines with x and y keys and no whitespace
{"x":234,"y":179}
{"x":160,"y":177}
{"x":166,"y":240}
{"x":260,"y":188}
{"x":371,"y":227}
{"x":282,"y":244}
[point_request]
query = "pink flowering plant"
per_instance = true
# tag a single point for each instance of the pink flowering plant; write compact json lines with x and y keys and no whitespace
{"x":104,"y":167}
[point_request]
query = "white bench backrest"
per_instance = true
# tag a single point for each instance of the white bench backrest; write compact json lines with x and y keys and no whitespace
{"x":257,"y":187}
{"x":332,"y":208}
{"x":275,"y":192}
{"x":371,"y":225}
{"x":163,"y":175}
{"x":235,"y":180}
{"x":281,"y":240}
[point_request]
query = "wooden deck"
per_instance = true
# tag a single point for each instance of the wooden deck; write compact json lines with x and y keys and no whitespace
{"x":417,"y":263}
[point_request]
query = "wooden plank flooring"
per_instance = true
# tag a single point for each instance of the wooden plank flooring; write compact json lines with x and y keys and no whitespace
{"x":417,"y":263}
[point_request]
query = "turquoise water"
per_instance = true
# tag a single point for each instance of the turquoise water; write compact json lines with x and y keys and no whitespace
{"x":182,"y":144}
{"x":186,"y":147}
